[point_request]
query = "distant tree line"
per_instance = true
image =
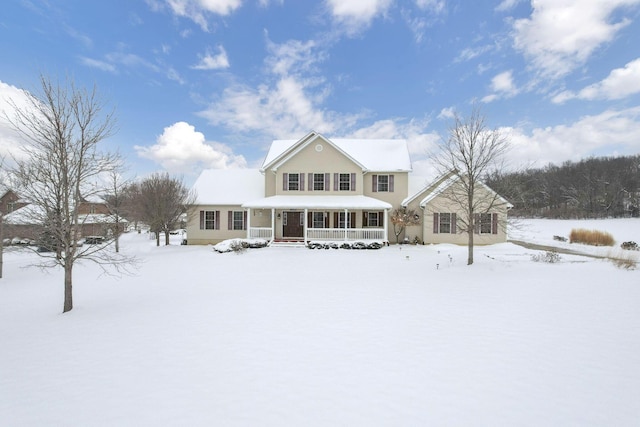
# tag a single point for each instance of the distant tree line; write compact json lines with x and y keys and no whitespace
{"x":602,"y":187}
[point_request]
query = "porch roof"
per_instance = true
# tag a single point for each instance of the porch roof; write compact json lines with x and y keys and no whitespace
{"x":317,"y":202}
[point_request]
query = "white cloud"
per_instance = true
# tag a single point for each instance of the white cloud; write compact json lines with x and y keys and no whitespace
{"x":434,"y":6}
{"x":197,"y":10}
{"x":100,"y":65}
{"x":293,"y":57}
{"x":507,"y":5}
{"x":502,"y":86}
{"x":357,"y":15}
{"x":447,"y":113}
{"x":620,"y":83}
{"x":562,"y":35}
{"x":180,"y":149}
{"x":608,"y":133}
{"x":10,"y":141}
{"x":213,"y":62}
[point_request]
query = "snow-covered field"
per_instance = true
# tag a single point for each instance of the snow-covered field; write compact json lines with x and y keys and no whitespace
{"x":406,"y":336}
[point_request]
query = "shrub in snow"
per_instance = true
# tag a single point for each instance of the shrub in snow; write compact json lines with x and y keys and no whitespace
{"x":560,"y":238}
{"x":630,"y":246}
{"x":344,"y":245}
{"x":550,"y":257}
{"x":239,"y":245}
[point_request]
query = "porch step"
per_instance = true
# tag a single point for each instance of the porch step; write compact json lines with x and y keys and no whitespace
{"x":288,"y":243}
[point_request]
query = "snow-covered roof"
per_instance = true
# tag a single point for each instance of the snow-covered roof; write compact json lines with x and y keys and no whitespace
{"x":317,"y":202}
{"x":228,"y":186}
{"x":377,"y":155}
{"x":34,"y":215}
{"x":440,"y":185}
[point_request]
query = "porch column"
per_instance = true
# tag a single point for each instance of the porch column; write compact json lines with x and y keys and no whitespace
{"x":248,"y":223}
{"x":305,"y":225}
{"x":386,"y":225}
{"x":273,"y":224}
{"x":346,"y":219}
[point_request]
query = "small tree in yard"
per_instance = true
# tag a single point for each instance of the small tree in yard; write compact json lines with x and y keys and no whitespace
{"x":402,"y":218}
{"x":61,"y":128}
{"x":162,"y":202}
{"x":471,"y":152}
{"x":115,"y":196}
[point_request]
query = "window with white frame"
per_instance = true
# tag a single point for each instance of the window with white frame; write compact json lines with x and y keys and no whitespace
{"x":209,"y":220}
{"x":445,"y":223}
{"x":293,"y":182}
{"x":485,"y":223}
{"x":341,"y":220}
{"x":317,"y":220}
{"x":344,"y":183}
{"x":238,"y":220}
{"x":318,"y":182}
{"x":373,"y":219}
{"x":383,"y":183}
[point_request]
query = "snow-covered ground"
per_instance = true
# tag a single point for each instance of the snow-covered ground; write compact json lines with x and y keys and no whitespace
{"x":404,"y":335}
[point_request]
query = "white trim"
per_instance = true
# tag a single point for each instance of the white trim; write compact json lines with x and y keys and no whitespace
{"x":318,"y":202}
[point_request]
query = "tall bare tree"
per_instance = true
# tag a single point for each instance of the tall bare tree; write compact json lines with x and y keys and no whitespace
{"x":471,"y":151}
{"x":163,"y":201}
{"x":62,"y":126}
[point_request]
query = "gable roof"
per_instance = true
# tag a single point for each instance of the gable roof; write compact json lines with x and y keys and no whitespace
{"x":228,"y":186}
{"x":440,"y":184}
{"x":378,"y":155}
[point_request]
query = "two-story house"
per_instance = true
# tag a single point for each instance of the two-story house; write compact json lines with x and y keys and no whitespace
{"x":311,"y":189}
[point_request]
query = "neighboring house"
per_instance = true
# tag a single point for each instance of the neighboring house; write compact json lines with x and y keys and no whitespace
{"x":311,"y":189}
{"x":10,"y":201}
{"x":94,"y":218}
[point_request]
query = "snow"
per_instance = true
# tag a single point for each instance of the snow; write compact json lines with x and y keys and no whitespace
{"x":228,"y":186}
{"x":318,"y":202}
{"x":403,"y":335}
{"x":377,"y":155}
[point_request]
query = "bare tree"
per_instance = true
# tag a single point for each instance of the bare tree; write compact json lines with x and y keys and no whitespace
{"x":471,"y":152}
{"x":163,"y":201}
{"x":115,"y":197}
{"x":401,"y":218}
{"x":62,"y":126}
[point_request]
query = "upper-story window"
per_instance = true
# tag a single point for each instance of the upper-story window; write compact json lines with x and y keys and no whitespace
{"x":318,"y":182}
{"x":382,"y":183}
{"x":293,"y":182}
{"x":344,"y":183}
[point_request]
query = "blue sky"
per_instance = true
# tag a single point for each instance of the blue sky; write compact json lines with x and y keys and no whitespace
{"x":210,"y":83}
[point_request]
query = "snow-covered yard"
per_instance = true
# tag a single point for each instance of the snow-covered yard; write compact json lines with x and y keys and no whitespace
{"x":404,"y":335}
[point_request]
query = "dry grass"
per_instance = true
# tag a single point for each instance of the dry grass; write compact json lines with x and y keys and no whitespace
{"x":623,"y":259}
{"x":591,"y":237}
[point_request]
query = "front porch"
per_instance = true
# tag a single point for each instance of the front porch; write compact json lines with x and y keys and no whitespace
{"x":318,"y":219}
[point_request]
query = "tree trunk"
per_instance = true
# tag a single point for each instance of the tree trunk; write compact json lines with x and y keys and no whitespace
{"x":470,"y":246}
{"x":166,"y":237}
{"x":157,"y":238}
{"x":68,"y":295}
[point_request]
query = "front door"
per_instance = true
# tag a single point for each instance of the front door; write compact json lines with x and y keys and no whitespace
{"x":292,"y":224}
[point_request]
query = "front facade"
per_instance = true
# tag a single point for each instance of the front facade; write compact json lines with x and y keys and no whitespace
{"x":308,"y":190}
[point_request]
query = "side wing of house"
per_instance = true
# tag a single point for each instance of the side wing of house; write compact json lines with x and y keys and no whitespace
{"x":446,"y":219}
{"x":218,"y":213}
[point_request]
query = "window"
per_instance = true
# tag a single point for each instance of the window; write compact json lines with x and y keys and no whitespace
{"x":317,"y":220}
{"x":318,"y":182}
{"x":485,"y":223}
{"x":237,"y":220}
{"x":341,"y":223}
{"x":345,"y":182}
{"x":373,"y":219}
{"x":445,"y":223}
{"x":294,"y":182}
{"x":209,"y":220}
{"x":383,"y":183}
{"x":11,"y":206}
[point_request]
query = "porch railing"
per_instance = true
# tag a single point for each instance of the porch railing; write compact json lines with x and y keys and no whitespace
{"x":348,"y":234}
{"x":260,"y":233}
